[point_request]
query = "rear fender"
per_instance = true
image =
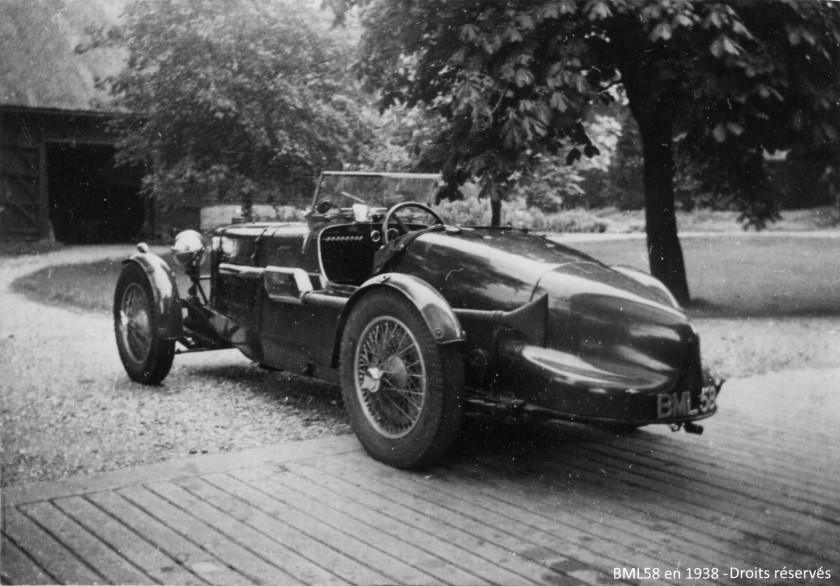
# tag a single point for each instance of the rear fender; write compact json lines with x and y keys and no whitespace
{"x":435,"y":310}
{"x":165,"y":291}
{"x":650,"y":282}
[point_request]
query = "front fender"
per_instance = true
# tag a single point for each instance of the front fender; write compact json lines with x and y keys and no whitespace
{"x":165,"y":291}
{"x":439,"y":316}
{"x":435,"y":310}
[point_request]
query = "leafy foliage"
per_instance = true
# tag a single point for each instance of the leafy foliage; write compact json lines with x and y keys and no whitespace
{"x":625,"y":188}
{"x":401,"y":134}
{"x":553,"y":184}
{"x":513,"y":81}
{"x":497,"y":104}
{"x":244,"y":101}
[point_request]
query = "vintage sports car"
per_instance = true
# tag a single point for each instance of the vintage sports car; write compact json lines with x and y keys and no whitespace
{"x":419,"y":320}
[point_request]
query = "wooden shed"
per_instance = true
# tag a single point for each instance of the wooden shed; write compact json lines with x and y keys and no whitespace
{"x":57,"y":171}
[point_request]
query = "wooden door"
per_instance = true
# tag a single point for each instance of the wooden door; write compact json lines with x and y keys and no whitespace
{"x":21,"y":206}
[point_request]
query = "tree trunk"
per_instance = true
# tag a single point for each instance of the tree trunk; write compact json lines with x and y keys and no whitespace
{"x":495,"y":212}
{"x":664,"y":250}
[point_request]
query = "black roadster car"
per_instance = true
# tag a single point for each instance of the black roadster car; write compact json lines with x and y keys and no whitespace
{"x":419,"y":320}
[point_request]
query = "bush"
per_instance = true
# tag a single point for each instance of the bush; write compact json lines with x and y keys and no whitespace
{"x":465,"y":212}
{"x":469,"y":211}
{"x":285,"y":214}
{"x":472,"y":212}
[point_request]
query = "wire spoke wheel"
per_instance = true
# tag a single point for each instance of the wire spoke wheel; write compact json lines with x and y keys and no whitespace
{"x":402,"y":389}
{"x":146,"y":356}
{"x":134,"y":323}
{"x":390,"y":377}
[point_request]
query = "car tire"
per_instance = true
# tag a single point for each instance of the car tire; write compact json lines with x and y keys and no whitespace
{"x":402,"y":390}
{"x":146,"y":356}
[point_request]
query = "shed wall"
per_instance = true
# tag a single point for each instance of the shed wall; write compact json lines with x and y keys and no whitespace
{"x":28,"y":136}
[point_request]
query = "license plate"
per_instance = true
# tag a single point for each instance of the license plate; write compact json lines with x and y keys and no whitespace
{"x":680,"y":405}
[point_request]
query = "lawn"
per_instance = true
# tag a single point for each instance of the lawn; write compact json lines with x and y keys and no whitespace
{"x":747,"y":275}
{"x":730,"y":276}
{"x":84,"y":286}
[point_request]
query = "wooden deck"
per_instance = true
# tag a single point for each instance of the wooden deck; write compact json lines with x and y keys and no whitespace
{"x":547,"y":504}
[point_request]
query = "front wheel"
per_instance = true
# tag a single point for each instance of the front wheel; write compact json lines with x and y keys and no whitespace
{"x":402,"y":390}
{"x":146,"y":356}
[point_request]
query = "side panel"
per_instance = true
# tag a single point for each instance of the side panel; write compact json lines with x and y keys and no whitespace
{"x":236,"y":279}
{"x":298,"y":338}
{"x":292,"y":335}
{"x":233,"y":292}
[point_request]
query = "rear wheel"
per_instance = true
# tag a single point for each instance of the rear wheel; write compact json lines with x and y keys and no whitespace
{"x":146,"y":356}
{"x":402,"y":390}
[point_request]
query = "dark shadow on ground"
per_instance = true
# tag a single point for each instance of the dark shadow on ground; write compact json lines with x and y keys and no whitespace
{"x":278,"y":387}
{"x":557,"y":458}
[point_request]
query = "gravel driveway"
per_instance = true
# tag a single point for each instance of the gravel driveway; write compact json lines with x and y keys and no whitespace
{"x":67,"y":407}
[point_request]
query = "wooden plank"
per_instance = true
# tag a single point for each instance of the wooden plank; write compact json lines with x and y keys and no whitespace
{"x":332,"y":559}
{"x":704,"y":539}
{"x":761,"y":451}
{"x":732,"y":498}
{"x":272,"y":550}
{"x":366,"y":525}
{"x":18,"y":568}
{"x":548,"y":514}
{"x":341,"y":535}
{"x":48,"y":553}
{"x":184,"y":551}
{"x":731,"y":469}
{"x":533,"y":553}
{"x":444,"y":499}
{"x":738,"y":532}
{"x":102,"y":558}
{"x":613,"y":500}
{"x":143,"y":554}
{"x":402,"y":490}
{"x":760,"y":445}
{"x":676,"y":470}
{"x":196,"y":466}
{"x":555,"y":536}
{"x":703,"y":464}
{"x":691,"y":500}
{"x":479,"y":557}
{"x":213,"y":540}
{"x":797,"y":430}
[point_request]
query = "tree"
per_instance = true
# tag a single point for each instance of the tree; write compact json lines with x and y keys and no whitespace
{"x":234,"y":99}
{"x":723,"y":81}
{"x":625,"y":189}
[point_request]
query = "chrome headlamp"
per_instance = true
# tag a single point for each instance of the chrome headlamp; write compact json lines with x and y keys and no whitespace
{"x":188,"y":248}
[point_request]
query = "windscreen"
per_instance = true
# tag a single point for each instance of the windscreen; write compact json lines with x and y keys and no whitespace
{"x":376,"y":189}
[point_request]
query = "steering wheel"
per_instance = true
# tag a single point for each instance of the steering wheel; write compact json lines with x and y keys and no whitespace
{"x":323,"y":206}
{"x":401,"y":227}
